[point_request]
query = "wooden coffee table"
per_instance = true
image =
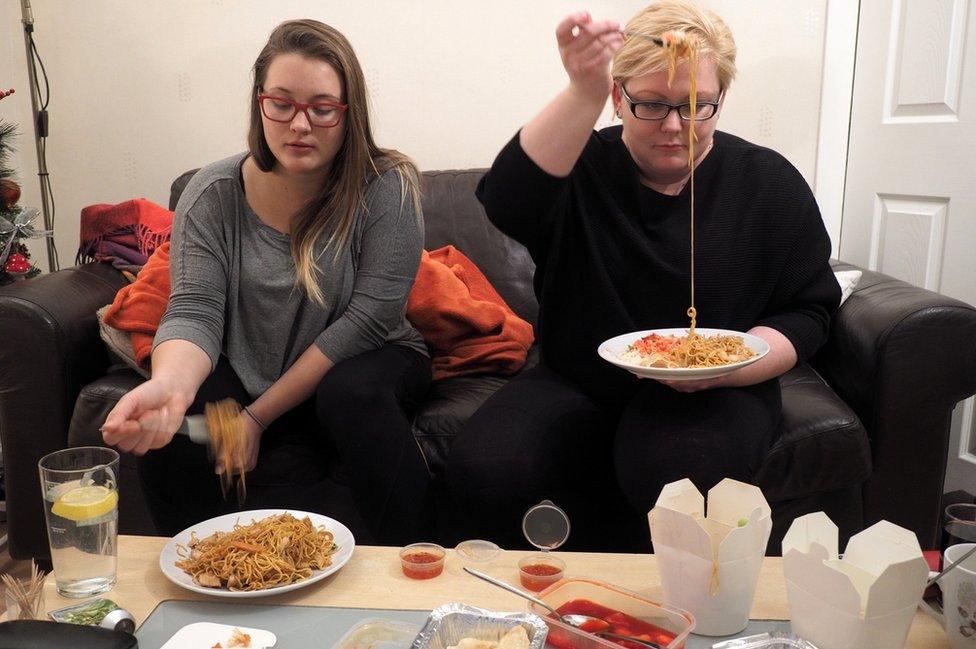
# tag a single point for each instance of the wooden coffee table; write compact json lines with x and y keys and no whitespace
{"x":372,"y":579}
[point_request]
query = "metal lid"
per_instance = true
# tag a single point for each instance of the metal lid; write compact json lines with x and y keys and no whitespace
{"x":119,"y":620}
{"x":545,"y":526}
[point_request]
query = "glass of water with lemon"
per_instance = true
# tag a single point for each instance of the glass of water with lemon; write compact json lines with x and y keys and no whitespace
{"x":81,"y":498}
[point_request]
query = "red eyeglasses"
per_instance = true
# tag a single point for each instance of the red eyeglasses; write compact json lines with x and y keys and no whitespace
{"x":325,"y":114}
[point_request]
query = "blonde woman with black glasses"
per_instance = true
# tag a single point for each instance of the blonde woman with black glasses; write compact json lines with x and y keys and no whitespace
{"x":606,"y":215}
{"x":290,"y":266}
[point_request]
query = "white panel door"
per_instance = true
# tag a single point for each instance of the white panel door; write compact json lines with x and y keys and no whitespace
{"x":910,"y":199}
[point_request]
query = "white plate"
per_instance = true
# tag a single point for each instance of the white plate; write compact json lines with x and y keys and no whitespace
{"x":205,"y":635}
{"x":168,"y":557}
{"x":610,"y":350}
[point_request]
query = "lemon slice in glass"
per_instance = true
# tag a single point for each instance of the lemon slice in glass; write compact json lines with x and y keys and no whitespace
{"x":84,"y":503}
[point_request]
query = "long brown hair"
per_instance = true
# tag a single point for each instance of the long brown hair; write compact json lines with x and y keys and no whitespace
{"x":334,"y":207}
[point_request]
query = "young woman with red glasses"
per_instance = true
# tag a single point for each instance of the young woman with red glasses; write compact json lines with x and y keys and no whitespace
{"x":290,"y":267}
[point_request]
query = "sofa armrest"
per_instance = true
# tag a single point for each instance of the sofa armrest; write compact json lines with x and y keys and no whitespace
{"x":902,"y":357}
{"x":50,"y":350}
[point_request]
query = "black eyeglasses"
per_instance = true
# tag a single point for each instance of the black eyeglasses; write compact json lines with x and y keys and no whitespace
{"x":280,"y":109}
{"x":658,"y":110}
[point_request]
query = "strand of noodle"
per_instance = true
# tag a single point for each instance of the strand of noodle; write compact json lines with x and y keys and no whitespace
{"x":226,"y":435}
{"x":677,"y":45}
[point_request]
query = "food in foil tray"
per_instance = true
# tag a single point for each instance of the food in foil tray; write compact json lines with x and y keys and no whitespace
{"x":460,"y":626}
{"x":515,"y":638}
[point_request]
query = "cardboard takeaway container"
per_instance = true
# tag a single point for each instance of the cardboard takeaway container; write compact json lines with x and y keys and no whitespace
{"x":710,"y":564}
{"x":865,"y":600}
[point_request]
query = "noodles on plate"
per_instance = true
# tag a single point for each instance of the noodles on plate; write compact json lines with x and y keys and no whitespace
{"x":693,"y":350}
{"x":274,"y":551}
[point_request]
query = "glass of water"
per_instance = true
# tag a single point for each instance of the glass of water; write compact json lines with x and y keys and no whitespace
{"x":81,"y":504}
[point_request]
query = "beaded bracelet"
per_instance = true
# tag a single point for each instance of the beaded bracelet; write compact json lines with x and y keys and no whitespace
{"x":257,"y":421}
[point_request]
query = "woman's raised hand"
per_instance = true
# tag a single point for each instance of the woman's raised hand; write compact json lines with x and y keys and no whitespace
{"x":586,"y":48}
{"x":145,"y":418}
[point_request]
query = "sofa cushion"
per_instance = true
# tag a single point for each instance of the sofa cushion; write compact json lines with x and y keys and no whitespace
{"x":823,"y":446}
{"x":448,"y":404}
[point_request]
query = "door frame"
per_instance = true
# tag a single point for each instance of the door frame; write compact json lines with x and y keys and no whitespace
{"x":836,"y":96}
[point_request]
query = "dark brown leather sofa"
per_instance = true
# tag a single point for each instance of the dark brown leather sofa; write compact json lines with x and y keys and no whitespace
{"x":866,"y":423}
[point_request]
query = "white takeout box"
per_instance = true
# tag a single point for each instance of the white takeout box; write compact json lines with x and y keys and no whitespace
{"x":867,"y":599}
{"x":709,"y":565}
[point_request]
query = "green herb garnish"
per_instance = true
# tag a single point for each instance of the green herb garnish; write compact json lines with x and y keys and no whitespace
{"x":92,"y":614}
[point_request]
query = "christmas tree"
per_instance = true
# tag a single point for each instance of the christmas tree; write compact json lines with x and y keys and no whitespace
{"x":16,"y":223}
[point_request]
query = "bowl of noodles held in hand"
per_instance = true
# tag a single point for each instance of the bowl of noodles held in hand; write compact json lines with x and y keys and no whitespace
{"x":676,"y":355}
{"x":255,"y":553}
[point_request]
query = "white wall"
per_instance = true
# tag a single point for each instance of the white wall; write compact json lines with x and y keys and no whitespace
{"x":143,"y":90}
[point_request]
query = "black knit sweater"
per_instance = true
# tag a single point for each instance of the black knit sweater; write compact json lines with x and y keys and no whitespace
{"x":612,"y":256}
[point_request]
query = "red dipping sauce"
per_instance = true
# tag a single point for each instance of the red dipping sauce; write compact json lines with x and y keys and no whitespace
{"x":422,"y":561}
{"x":620,"y":623}
{"x":537,"y":576}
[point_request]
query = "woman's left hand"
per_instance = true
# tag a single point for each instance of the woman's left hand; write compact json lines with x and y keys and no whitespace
{"x":250,"y":444}
{"x":781,"y":357}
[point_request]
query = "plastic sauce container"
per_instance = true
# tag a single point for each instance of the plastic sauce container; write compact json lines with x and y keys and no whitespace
{"x":538,"y":571}
{"x":378,"y":633}
{"x":545,"y":526}
{"x":422,"y":560}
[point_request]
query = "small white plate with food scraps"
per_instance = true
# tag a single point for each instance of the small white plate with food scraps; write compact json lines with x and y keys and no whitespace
{"x":619,"y":351}
{"x":342,"y":537}
{"x":207,"y":635}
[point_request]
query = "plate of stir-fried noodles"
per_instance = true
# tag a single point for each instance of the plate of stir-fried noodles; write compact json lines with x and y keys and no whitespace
{"x":256,"y":553}
{"x":676,"y":354}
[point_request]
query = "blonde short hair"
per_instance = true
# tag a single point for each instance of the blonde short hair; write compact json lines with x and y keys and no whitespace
{"x":640,"y":56}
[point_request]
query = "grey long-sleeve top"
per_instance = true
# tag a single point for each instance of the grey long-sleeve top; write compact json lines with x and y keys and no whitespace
{"x":233,"y":280}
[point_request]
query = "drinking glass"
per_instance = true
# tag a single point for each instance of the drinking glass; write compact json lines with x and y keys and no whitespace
{"x":960,"y":523}
{"x":80,"y":489}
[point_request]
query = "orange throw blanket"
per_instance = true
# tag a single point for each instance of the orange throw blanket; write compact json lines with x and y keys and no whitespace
{"x":464,"y":321}
{"x":140,"y":306}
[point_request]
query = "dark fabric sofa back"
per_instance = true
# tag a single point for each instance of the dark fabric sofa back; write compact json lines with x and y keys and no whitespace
{"x":452,"y":217}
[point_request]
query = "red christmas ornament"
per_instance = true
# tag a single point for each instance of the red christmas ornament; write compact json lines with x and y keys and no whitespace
{"x":17,"y":265}
{"x":9,"y":193}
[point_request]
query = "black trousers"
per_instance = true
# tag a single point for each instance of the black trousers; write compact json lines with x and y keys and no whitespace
{"x":359,"y":418}
{"x":543,"y":437}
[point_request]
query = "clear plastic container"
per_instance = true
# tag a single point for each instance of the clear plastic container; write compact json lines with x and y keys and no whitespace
{"x":422,"y":560}
{"x":477,"y":552}
{"x":539,"y":571}
{"x":671,"y":623}
{"x":378,"y":633}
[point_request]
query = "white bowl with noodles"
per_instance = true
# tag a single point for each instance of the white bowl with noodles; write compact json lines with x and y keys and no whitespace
{"x":613,"y":349}
{"x":169,"y":556}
